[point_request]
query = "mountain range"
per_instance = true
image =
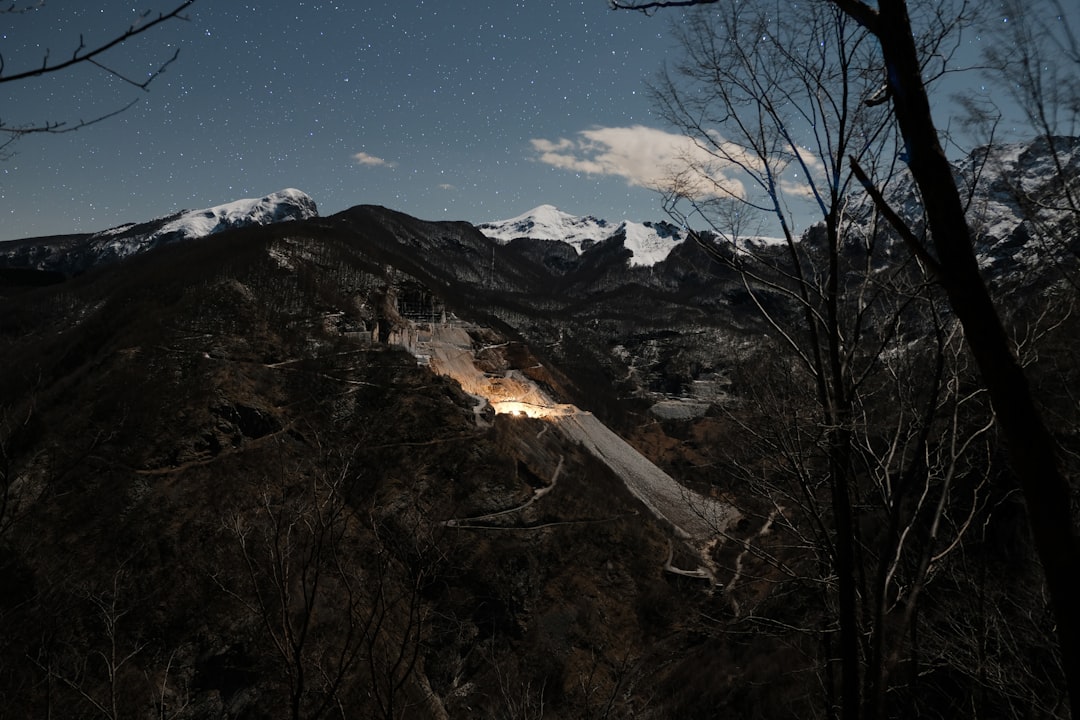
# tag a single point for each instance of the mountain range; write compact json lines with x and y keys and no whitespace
{"x":552,"y":466}
{"x":72,"y":254}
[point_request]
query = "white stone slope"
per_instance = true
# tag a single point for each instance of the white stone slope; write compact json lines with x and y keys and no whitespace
{"x":690,"y":515}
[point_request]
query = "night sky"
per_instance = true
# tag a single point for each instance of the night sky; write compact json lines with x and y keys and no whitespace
{"x":474,"y":110}
{"x":441,"y":110}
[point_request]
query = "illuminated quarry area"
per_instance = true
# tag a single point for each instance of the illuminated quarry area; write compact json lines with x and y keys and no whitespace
{"x":449,"y":349}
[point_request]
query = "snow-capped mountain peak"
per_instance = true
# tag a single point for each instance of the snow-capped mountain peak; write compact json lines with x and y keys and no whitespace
{"x":287,"y":204}
{"x":648,"y":242}
{"x":547,"y":222}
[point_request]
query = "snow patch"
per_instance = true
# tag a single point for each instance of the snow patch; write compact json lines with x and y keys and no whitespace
{"x":647,"y":245}
{"x":116,"y":230}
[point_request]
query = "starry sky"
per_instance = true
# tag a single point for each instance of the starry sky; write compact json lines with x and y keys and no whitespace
{"x":470,"y":110}
{"x":441,"y":110}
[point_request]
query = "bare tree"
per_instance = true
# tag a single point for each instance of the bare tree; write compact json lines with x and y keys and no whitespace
{"x":83,"y":55}
{"x":108,"y":666}
{"x":340,"y":606}
{"x":1032,"y":449}
{"x":292,"y":551}
{"x":920,"y":439}
{"x":1039,"y":67}
{"x":947,"y":249}
{"x":786,"y":100}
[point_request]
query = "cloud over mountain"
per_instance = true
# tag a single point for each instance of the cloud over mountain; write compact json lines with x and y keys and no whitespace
{"x":673,"y":163}
{"x":644,"y":156}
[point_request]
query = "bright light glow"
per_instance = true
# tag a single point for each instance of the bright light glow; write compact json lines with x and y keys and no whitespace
{"x":509,"y":407}
{"x":513,"y":407}
{"x":449,"y":352}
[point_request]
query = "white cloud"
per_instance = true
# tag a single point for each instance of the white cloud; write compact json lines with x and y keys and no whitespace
{"x":656,"y":159}
{"x":647,"y":157}
{"x":363,"y":158}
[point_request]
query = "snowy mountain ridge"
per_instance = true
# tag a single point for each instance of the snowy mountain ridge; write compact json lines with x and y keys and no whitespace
{"x":649,"y":243}
{"x":77,"y":253}
{"x":1024,"y":212}
{"x":1021,"y":204}
{"x":287,"y":204}
{"x":1016,"y":194}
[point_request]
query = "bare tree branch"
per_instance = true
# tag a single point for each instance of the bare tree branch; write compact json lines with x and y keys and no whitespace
{"x":82,"y":54}
{"x":649,"y":7}
{"x":13,"y":7}
{"x":911,"y":240}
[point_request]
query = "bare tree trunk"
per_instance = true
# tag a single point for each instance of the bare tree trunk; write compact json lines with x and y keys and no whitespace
{"x":844,"y":565}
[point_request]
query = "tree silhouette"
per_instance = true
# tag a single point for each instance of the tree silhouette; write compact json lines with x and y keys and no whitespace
{"x":82,"y":55}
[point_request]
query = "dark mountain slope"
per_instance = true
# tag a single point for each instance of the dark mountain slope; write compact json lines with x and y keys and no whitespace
{"x":222,"y":497}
